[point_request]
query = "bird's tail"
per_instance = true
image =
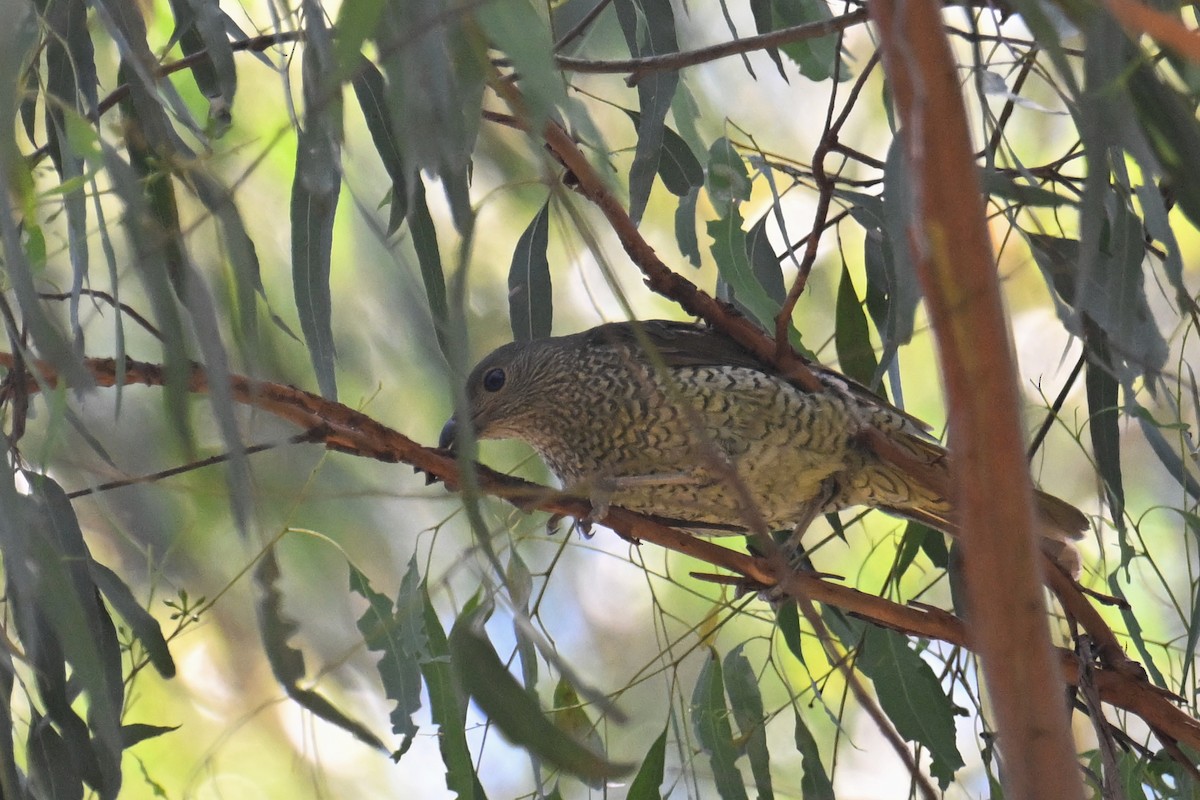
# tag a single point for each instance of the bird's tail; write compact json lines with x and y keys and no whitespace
{"x":1060,"y":525}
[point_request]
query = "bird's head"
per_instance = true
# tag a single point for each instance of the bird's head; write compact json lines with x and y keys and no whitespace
{"x":510,"y":391}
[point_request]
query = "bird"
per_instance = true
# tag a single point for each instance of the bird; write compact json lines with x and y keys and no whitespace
{"x":677,"y":421}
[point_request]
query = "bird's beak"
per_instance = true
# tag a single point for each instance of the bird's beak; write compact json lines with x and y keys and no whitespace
{"x":449,"y":434}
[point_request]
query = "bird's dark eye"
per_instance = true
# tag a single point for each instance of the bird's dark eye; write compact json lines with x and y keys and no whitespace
{"x":493,"y":380}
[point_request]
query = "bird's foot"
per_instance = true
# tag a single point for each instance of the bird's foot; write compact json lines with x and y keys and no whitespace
{"x":602,"y":488}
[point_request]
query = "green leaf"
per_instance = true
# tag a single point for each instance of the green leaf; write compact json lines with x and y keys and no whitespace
{"x":139,"y":732}
{"x":893,"y":290}
{"x":729,"y":250}
{"x":678,"y":166}
{"x":816,"y":58}
{"x":649,"y":29}
{"x":429,"y":259}
{"x":436,"y":65}
{"x":1110,"y":291}
{"x":763,"y":262}
{"x":51,"y":769}
{"x":1004,"y":186}
{"x":144,"y":626}
{"x":569,"y":715}
{"x":852,"y":336}
{"x":710,"y":720}
{"x":912,"y":698}
{"x":448,"y":708}
{"x":764,"y":22}
{"x":814,"y":781}
{"x":741,"y":684}
{"x":726,"y":179}
{"x":357,"y":20}
{"x":685,"y":227}
{"x":399,"y":634}
{"x":61,"y":622}
{"x":1169,"y":123}
{"x":287,"y":663}
{"x":787,"y":619}
{"x":515,"y":712}
{"x":530,"y":299}
{"x":515,"y":27}
{"x":649,"y":777}
{"x":315,"y":192}
{"x":371,"y":92}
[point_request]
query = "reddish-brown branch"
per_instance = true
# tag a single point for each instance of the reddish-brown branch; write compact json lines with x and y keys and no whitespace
{"x":341,"y":428}
{"x":954,"y":259}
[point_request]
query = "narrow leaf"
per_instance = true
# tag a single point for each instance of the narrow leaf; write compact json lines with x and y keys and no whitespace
{"x":448,"y":707}
{"x":399,"y":635}
{"x":315,"y":192}
{"x":685,"y":227}
{"x":143,"y":624}
{"x":710,"y":720}
{"x":287,"y":663}
{"x":814,"y":781}
{"x":510,"y":708}
{"x":530,"y":300}
{"x":852,"y":335}
{"x":649,"y":777}
{"x":741,"y":684}
{"x":912,"y":698}
{"x":649,"y":29}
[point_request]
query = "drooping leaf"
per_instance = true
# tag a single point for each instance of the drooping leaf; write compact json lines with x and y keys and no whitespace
{"x":399,"y":634}
{"x":315,"y":192}
{"x":357,"y":20}
{"x":434,"y":55}
{"x":726,"y":179}
{"x":530,"y":300}
{"x":649,"y":776}
{"x":764,"y":264}
{"x":814,"y":780}
{"x":516,"y":28}
{"x":685,"y":227}
{"x":448,"y":708}
{"x":48,"y":566}
{"x":912,"y":698}
{"x":852,"y":336}
{"x":510,"y":708}
{"x":678,"y":167}
{"x":710,"y":720}
{"x":649,"y":29}
{"x":570,"y":716}
{"x":200,"y":30}
{"x":429,"y":259}
{"x":520,"y":590}
{"x":51,"y":771}
{"x":745,"y":698}
{"x":816,"y":58}
{"x":371,"y":92}
{"x":144,"y":626}
{"x":764,"y":22}
{"x":893,"y":290}
{"x":729,"y":251}
{"x":1170,"y":126}
{"x":287,"y":663}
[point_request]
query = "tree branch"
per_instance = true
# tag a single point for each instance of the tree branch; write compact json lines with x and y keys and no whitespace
{"x":341,"y":428}
{"x":993,"y":493}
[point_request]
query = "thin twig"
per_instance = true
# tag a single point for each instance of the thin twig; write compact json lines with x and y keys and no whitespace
{"x":191,"y":466}
{"x":637,"y":67}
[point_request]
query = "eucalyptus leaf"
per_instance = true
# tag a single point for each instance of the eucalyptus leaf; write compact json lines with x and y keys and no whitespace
{"x":710,"y":720}
{"x":530,"y":300}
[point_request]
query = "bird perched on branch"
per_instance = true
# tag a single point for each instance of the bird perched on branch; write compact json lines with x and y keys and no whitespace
{"x":677,"y":421}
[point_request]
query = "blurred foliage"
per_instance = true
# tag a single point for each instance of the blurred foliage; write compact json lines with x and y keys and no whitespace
{"x":178,"y":624}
